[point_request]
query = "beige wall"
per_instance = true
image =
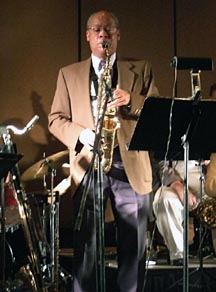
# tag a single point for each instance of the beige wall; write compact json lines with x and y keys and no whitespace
{"x":196,"y":38}
{"x":38,"y":37}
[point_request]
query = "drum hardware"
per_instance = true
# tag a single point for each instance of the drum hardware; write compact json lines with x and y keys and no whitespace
{"x":24,"y":210}
{"x":42,"y":168}
{"x":63,"y":186}
{"x":52,"y":272}
{"x":11,"y":211}
{"x":6,"y":162}
{"x":53,"y":266}
{"x":3,"y":247}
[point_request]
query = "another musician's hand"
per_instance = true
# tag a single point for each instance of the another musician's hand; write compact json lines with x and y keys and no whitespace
{"x":192,"y":200}
{"x":87,"y":138}
{"x":179,"y":189}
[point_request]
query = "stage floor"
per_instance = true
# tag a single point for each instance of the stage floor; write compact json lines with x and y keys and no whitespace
{"x":160,"y":276}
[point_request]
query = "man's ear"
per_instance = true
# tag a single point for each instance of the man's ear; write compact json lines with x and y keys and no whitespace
{"x":87,"y":35}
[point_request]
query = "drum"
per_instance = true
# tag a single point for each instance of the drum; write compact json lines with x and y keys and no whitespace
{"x":12,"y":216}
{"x":9,"y":260}
{"x":16,"y":252}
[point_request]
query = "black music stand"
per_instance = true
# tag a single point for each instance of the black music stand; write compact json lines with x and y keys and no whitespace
{"x":152,"y":129}
{"x":7,"y":161}
{"x":190,"y":123}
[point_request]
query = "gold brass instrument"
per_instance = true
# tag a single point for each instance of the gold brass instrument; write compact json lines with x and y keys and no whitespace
{"x":110,"y":120}
{"x":206,"y":212}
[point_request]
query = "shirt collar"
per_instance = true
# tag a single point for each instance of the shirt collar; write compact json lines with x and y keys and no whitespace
{"x":96,"y":61}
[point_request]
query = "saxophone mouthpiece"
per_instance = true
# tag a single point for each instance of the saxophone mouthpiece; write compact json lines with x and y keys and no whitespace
{"x":105,"y":45}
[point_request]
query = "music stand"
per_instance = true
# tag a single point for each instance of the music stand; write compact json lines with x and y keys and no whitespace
{"x":7,"y":161}
{"x":191,"y":129}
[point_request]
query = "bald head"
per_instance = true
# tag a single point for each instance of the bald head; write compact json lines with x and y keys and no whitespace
{"x":103,"y":13}
{"x":102,"y":27}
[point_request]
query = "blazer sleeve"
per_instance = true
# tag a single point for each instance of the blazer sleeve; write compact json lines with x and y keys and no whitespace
{"x":61,"y":123}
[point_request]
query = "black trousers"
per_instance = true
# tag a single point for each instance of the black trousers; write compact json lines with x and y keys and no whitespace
{"x":131,"y":211}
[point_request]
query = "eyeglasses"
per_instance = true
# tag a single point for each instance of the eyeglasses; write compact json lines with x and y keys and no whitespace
{"x":98,"y":29}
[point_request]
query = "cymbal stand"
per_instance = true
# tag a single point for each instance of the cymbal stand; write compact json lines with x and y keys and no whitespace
{"x":54,"y":232}
{"x":52,"y":228}
{"x":56,"y":239}
{"x":44,"y":243}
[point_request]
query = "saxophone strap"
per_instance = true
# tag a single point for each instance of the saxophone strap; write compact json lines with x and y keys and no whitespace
{"x":114,"y":74}
{"x":94,"y":79}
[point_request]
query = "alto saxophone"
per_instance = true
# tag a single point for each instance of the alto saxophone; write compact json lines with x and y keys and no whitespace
{"x":110,"y":122}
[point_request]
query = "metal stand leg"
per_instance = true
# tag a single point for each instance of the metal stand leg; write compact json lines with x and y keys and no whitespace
{"x":186,"y":221}
{"x":101,"y":228}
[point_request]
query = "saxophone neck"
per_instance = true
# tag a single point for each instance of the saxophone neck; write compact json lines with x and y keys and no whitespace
{"x":105,"y":46}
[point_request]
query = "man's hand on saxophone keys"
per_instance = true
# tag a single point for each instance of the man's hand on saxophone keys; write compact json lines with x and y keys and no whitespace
{"x":120,"y":98}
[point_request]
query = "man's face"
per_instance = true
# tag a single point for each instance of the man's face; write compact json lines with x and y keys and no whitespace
{"x":102,"y":29}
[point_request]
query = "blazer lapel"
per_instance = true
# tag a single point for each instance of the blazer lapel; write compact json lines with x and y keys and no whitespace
{"x":125,"y":75}
{"x":85,"y":92}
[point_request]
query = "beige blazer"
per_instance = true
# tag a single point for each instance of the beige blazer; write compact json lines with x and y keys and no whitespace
{"x":71,"y":112}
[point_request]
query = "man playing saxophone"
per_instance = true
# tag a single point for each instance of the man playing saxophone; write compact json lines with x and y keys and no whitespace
{"x":128,"y":182}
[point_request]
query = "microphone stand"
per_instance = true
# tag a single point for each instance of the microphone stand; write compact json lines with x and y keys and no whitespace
{"x":100,"y":199}
{"x":186,"y":217}
{"x":185,"y":141}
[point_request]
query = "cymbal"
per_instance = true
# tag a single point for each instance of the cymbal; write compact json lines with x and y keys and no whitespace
{"x":45,"y":166}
